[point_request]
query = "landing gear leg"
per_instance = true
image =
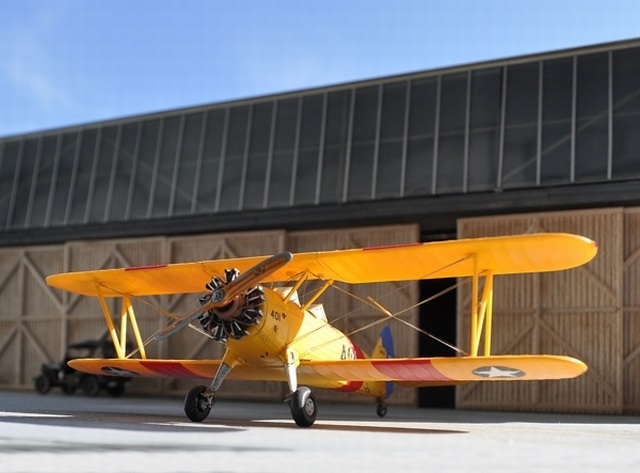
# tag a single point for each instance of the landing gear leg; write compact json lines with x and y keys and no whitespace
{"x":302,"y":402}
{"x":200,"y":399}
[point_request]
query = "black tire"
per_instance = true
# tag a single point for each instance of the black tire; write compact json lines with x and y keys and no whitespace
{"x":304,"y":408}
{"x":381,"y":410}
{"x":42,"y":384}
{"x":90,"y":385}
{"x":116,"y":391}
{"x":197,"y":406}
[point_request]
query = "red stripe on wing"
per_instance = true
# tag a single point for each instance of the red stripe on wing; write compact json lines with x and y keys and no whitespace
{"x":410,"y":370}
{"x":150,"y":266}
{"x":169,"y":369}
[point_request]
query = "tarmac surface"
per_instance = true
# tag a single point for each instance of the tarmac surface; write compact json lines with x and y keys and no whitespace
{"x":58,"y":433}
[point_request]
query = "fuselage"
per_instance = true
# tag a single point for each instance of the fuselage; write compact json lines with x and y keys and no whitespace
{"x":287,"y":326}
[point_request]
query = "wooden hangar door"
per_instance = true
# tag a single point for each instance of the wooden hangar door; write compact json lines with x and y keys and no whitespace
{"x":32,"y":317}
{"x":631,"y":330}
{"x":576,"y":312}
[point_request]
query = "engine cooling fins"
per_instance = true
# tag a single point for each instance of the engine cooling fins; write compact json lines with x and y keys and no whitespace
{"x":232,"y":320}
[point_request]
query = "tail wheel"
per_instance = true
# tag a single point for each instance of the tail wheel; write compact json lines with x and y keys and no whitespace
{"x":304,"y":409}
{"x":196,"y":405}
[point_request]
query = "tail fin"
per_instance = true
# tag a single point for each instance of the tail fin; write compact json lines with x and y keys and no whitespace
{"x":384,"y":349}
{"x":384,"y":345}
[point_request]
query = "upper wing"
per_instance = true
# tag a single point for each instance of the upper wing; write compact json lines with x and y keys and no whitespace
{"x":448,"y":259}
{"x":411,"y":371}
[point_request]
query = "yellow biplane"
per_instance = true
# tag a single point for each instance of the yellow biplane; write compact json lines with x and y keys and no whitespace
{"x":252,"y":306}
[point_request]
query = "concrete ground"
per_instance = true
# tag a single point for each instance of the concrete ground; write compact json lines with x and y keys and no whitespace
{"x":58,"y":433}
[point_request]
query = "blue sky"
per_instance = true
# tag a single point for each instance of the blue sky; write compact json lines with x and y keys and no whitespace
{"x":68,"y":62}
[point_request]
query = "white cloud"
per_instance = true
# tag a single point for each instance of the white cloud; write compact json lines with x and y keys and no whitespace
{"x":26,"y":70}
{"x":29,"y":64}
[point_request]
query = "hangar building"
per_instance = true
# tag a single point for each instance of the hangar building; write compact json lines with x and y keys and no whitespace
{"x":546,"y":142}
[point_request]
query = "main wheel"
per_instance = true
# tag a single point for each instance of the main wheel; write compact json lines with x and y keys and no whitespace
{"x":90,"y":385}
{"x":381,"y":410}
{"x":196,"y":405}
{"x":304,"y":409}
{"x":42,"y":384}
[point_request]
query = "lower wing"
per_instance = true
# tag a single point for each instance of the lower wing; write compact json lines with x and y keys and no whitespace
{"x":409,"y":371}
{"x":438,"y":371}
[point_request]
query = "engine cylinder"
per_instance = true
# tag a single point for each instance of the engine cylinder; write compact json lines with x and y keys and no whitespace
{"x":233,"y":319}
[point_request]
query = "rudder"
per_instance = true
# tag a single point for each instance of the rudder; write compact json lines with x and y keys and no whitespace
{"x":384,"y":348}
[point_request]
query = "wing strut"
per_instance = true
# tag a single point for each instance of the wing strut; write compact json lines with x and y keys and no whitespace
{"x":315,"y":297}
{"x":127,"y":316}
{"x":481,"y":310}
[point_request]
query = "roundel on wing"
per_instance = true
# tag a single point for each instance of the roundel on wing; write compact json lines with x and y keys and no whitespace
{"x":498,"y":372}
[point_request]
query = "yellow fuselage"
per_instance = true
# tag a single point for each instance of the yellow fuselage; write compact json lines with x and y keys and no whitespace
{"x":287,"y":327}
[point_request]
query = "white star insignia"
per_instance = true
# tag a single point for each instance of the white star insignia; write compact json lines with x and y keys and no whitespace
{"x":498,"y":372}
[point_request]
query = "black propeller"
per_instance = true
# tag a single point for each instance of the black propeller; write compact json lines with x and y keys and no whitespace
{"x":223,"y":294}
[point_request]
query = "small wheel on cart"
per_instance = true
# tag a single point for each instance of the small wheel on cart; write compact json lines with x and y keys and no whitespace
{"x":115,"y":390}
{"x":42,"y":384}
{"x":90,"y":385}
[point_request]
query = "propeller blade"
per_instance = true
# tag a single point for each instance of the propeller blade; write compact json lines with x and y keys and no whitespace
{"x":224,"y":294}
{"x":249,"y":278}
{"x":181,"y":322}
